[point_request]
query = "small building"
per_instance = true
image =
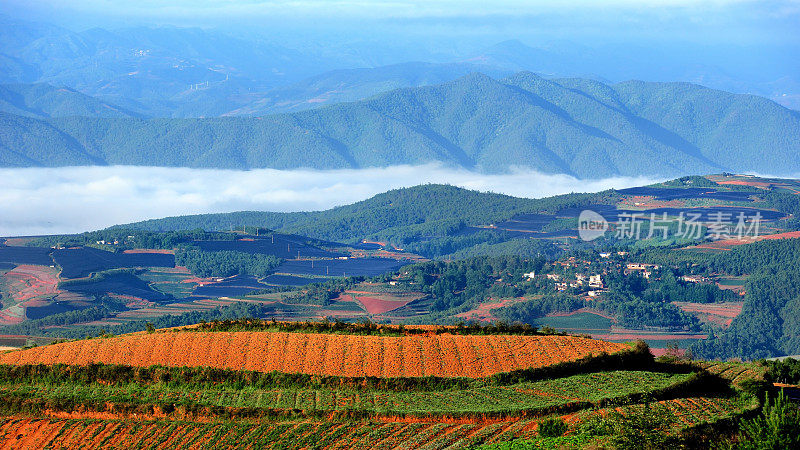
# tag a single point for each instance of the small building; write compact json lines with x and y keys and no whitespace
{"x":529,"y":275}
{"x":695,"y":279}
{"x":646,"y":269}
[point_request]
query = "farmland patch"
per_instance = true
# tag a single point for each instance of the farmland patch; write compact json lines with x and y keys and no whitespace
{"x":81,"y":261}
{"x":26,"y":255}
{"x":720,"y":314}
{"x":340,"y":267}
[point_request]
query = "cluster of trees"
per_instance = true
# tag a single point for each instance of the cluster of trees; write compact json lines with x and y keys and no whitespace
{"x":432,"y":220}
{"x":740,"y":260}
{"x":466,"y":282}
{"x":226,"y":263}
{"x":638,"y":302}
{"x":788,"y":203}
{"x":769,"y":324}
{"x":43,"y":327}
{"x":321,"y":293}
{"x":784,"y":371}
{"x":529,"y":311}
{"x":127,"y":238}
{"x":34,"y":327}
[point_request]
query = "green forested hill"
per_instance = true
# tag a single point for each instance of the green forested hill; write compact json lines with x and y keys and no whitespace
{"x":43,"y":100}
{"x":574,"y":126}
{"x":408,"y":216}
{"x":418,"y":205}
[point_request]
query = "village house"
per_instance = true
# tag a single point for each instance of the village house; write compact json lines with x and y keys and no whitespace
{"x":695,"y":279}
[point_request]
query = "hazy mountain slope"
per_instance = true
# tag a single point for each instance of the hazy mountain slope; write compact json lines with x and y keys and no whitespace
{"x":761,"y":71}
{"x":720,"y":123}
{"x":43,"y":100}
{"x":349,"y":85}
{"x":579,"y":127}
{"x":41,"y":141}
{"x":146,"y":66}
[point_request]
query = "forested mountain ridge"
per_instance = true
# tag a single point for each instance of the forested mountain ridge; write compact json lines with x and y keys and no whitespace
{"x":43,"y":100}
{"x":431,"y":205}
{"x":575,"y":126}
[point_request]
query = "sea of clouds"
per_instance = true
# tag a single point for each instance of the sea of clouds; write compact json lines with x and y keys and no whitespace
{"x":36,"y":201}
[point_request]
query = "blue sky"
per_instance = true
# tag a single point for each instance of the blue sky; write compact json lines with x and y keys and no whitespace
{"x":709,"y":21}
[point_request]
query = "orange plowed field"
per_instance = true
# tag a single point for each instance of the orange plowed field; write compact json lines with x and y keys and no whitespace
{"x":443,"y":355}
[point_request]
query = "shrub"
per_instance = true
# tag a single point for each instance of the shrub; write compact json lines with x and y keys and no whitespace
{"x":648,"y":428}
{"x":552,"y":427}
{"x":778,"y":427}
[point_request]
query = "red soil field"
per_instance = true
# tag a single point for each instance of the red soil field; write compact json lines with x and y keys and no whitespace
{"x":716,"y":313}
{"x":483,"y":312}
{"x":6,"y":319}
{"x":17,"y":242}
{"x":727,"y":244}
{"x":375,"y":305}
{"x":787,"y":235}
{"x":758,"y":184}
{"x":379,"y":302}
{"x":443,"y":355}
{"x":632,"y":335}
{"x":649,"y":202}
{"x":25,"y":282}
{"x":583,"y":310}
{"x":666,"y":351}
{"x":149,"y":250}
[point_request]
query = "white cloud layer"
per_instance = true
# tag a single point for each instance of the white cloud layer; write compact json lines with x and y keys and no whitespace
{"x":74,"y":199}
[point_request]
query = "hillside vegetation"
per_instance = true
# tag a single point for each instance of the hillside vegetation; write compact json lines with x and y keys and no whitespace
{"x":573,"y":126}
{"x":399,"y":216}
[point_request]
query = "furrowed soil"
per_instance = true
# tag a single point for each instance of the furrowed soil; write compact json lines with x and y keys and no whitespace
{"x":443,"y":355}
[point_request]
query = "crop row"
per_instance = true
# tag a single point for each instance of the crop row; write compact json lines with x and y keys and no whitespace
{"x":735,"y":372}
{"x":442,"y":355}
{"x":481,"y":400}
{"x":691,"y":411}
{"x":95,"y":433}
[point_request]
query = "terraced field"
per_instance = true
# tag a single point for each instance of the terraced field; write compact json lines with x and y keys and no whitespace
{"x":352,"y":387}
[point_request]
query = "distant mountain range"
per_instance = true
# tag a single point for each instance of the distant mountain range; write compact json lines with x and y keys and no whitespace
{"x":43,"y":100}
{"x":581,"y":127}
{"x":192,"y":72}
